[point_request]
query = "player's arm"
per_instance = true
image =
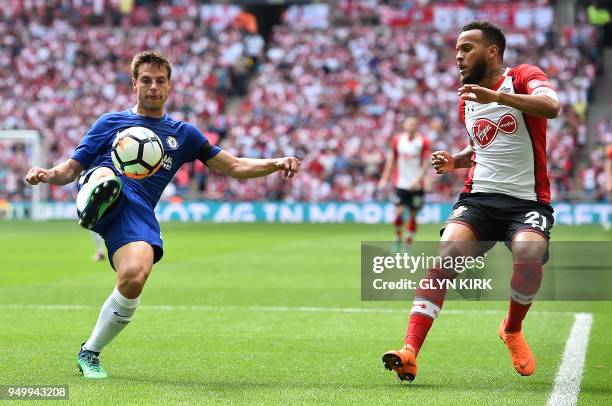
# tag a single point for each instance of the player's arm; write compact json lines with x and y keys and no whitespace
{"x":384,"y":178}
{"x":542,"y":102}
{"x":424,"y":164}
{"x":61,"y":174}
{"x":244,"y":168}
{"x":443,"y":162}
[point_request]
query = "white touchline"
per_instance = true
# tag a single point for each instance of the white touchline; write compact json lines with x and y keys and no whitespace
{"x":297,"y":309}
{"x":567,"y":382}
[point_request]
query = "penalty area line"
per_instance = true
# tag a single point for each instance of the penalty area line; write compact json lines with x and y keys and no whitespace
{"x":567,"y":381}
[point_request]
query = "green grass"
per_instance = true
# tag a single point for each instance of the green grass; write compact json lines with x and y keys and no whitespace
{"x":229,"y":348}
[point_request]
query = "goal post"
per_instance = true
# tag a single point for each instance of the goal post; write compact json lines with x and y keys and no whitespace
{"x":32,"y":141}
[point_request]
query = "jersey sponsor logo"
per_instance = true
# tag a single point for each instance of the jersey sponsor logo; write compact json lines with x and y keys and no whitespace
{"x":485,"y":130}
{"x":167,"y":162}
{"x":537,"y":83}
{"x":172,"y":142}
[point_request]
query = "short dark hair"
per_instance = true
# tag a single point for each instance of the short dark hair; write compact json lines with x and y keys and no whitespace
{"x":491,"y":34}
{"x":150,"y":57}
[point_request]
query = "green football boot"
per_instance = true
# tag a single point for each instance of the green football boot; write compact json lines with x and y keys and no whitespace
{"x":88,"y":363}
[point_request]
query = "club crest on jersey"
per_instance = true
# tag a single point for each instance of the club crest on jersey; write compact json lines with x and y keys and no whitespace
{"x":172,"y":142}
{"x":485,"y":130}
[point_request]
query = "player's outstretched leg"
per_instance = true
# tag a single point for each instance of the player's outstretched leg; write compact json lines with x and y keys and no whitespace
{"x":97,"y":195}
{"x":457,"y":240}
{"x":425,"y":308}
{"x":133,"y":263}
{"x":528,"y":249}
{"x":88,"y":363}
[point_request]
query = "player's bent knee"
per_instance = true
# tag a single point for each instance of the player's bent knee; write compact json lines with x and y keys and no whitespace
{"x":131,"y":279}
{"x":529,"y":247}
{"x":101,"y":172}
{"x":528,"y":251}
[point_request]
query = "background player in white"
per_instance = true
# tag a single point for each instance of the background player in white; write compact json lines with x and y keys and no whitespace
{"x":506,"y":195}
{"x":99,"y":244}
{"x":120,"y":209}
{"x":410,"y":156}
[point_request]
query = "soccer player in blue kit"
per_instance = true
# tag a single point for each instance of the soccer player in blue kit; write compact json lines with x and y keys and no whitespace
{"x":121,"y":209}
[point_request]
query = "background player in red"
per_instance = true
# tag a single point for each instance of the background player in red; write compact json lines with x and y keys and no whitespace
{"x":506,"y":195}
{"x":409,"y":154}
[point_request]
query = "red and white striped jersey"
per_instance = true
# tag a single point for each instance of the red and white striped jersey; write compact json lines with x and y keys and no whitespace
{"x":409,"y":154}
{"x":509,"y":146}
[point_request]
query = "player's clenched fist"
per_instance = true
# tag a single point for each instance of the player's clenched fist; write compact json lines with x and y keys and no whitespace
{"x":289,"y":165}
{"x":38,"y":175}
{"x":443,"y":162}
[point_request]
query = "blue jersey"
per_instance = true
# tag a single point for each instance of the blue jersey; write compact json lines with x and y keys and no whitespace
{"x":182,"y":142}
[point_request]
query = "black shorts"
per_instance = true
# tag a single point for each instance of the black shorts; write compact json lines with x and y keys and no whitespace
{"x":499,"y":217}
{"x":413,"y":199}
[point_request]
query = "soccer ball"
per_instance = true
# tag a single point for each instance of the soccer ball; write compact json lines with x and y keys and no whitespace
{"x":137,"y":152}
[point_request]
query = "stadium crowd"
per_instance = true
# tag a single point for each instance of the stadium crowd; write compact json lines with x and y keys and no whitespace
{"x":331,"y":94}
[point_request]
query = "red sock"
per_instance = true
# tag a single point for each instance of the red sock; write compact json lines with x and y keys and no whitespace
{"x":399,"y":221}
{"x":525,"y":283}
{"x":412,"y":225}
{"x":418,"y":327}
{"x":425,"y":308}
{"x":516,"y":314}
{"x":411,"y":229}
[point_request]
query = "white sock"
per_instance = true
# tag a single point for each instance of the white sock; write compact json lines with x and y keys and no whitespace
{"x":116,"y":313}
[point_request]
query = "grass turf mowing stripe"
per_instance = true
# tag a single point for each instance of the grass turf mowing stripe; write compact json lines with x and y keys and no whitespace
{"x":569,"y":376}
{"x":301,"y":309}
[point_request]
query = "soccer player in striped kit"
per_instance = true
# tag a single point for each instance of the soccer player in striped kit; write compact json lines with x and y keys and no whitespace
{"x":506,"y":195}
{"x":410,"y":154}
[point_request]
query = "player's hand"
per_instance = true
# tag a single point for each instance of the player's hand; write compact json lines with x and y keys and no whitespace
{"x":289,"y":165}
{"x":477,"y":94}
{"x":382,"y":184}
{"x":443,"y":162}
{"x":38,"y":175}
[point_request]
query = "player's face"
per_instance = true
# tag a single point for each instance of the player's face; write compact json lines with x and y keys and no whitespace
{"x":471,"y":57}
{"x":410,"y":125}
{"x":152,"y":88}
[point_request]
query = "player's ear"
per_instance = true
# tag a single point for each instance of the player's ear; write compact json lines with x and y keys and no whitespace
{"x":493,"y":51}
{"x":134,"y":81}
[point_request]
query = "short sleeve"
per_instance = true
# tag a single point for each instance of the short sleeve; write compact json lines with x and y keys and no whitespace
{"x":529,"y":79}
{"x":94,"y":143}
{"x":198,"y":142}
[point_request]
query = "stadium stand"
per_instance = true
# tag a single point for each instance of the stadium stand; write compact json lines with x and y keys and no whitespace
{"x":332,"y":96}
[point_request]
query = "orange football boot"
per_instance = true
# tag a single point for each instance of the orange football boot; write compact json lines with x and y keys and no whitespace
{"x":522,"y":358}
{"x":403,"y":362}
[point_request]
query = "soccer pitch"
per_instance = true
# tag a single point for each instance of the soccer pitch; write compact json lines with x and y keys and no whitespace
{"x":268,"y":313}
